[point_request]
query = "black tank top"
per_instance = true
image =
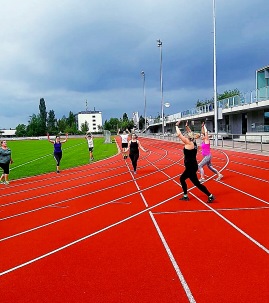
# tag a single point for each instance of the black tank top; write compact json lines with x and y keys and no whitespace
{"x":190,"y":155}
{"x":134,"y":147}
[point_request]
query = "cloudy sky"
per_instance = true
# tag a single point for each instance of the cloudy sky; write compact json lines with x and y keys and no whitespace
{"x":71,"y":51}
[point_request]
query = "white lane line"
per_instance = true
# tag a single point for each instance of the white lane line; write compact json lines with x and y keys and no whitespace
{"x":59,"y":220}
{"x":173,"y":261}
{"x":77,"y":197}
{"x":243,"y":192}
{"x":247,"y":175}
{"x":233,"y":225}
{"x":82,"y":239}
{"x":209,"y":210}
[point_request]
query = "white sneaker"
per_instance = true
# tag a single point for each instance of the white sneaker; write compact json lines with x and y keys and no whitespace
{"x":6,"y":182}
{"x":219,"y":177}
{"x":202,"y":180}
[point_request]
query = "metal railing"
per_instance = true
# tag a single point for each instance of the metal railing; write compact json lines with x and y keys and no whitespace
{"x":250,"y":143}
{"x":257,"y":95}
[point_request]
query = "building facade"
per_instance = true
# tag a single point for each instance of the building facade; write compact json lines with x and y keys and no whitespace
{"x":247,"y":113}
{"x":93,"y":119}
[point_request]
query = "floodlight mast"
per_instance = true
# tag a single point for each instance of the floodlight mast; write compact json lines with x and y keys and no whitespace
{"x":160,"y":44}
{"x":215,"y":75}
{"x":145,"y":100}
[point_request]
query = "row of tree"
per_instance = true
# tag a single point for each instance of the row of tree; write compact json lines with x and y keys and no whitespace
{"x":124,"y":123}
{"x":46,"y":122}
{"x":225,"y":95}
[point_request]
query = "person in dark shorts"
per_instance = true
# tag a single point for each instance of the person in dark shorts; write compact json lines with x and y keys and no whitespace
{"x":89,"y":139}
{"x":191,"y":165}
{"x":57,"y":153}
{"x":124,"y":141}
{"x":5,"y":161}
{"x":133,"y":148}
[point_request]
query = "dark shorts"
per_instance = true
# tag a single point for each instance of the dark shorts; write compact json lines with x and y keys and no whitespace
{"x":90,"y":148}
{"x":124,"y":145}
{"x":5,"y":167}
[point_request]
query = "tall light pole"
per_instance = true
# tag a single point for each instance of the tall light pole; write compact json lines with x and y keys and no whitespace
{"x":160,"y":44}
{"x":215,"y":76}
{"x":145,"y":100}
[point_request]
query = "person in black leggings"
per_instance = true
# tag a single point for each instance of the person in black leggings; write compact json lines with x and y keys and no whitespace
{"x":57,"y":153}
{"x":133,"y":147}
{"x":191,"y":165}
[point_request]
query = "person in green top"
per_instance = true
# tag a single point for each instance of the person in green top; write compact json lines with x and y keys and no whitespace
{"x":5,"y":161}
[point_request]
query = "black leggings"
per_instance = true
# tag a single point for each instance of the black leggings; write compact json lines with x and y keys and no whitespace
{"x":58,"y":157}
{"x":190,"y":173}
{"x":134,"y":159}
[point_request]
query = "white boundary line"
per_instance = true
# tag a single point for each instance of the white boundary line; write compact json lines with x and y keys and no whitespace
{"x":154,"y":221}
{"x":233,"y":225}
{"x":173,"y":261}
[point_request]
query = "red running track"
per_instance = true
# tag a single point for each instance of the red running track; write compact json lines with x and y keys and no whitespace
{"x":100,"y":234}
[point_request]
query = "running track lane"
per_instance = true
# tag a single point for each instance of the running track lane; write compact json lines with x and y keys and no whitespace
{"x":99,"y":234}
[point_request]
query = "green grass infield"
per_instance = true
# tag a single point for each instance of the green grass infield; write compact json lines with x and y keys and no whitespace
{"x":35,"y":157}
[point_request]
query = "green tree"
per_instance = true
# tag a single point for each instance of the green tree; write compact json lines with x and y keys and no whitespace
{"x":141,"y":123}
{"x":125,"y":117}
{"x":71,"y":126}
{"x":71,"y":120}
{"x":84,"y":127}
{"x":21,"y":130}
{"x":42,"y":117}
{"x":33,"y":127}
{"x":112,"y":125}
{"x":229,"y":93}
{"x":62,"y":125}
{"x":51,"y":122}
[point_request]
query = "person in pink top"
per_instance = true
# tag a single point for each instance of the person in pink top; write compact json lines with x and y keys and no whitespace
{"x":206,"y":153}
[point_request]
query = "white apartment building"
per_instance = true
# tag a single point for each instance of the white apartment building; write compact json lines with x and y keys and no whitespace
{"x":93,"y":119}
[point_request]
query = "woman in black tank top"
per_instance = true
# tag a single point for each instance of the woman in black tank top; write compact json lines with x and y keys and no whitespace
{"x":133,"y":147}
{"x":191,"y":165}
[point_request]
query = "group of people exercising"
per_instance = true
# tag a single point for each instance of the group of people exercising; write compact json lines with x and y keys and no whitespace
{"x":133,"y":146}
{"x":188,"y":138}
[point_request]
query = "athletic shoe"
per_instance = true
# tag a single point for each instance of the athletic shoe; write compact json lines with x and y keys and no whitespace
{"x":202,"y":180}
{"x":210,"y":199}
{"x":57,"y":171}
{"x":92,"y":158}
{"x":6,"y":182}
{"x":183,"y":198}
{"x":134,"y":172}
{"x":219,"y":177}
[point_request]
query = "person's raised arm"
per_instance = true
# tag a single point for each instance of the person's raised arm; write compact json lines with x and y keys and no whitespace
{"x":205,"y":132}
{"x":66,"y":137}
{"x":179,"y":134}
{"x":51,"y":141}
{"x":187,"y":127}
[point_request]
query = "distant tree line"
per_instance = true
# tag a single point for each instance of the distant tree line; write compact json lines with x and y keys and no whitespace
{"x":113,"y":124}
{"x":46,"y":122}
